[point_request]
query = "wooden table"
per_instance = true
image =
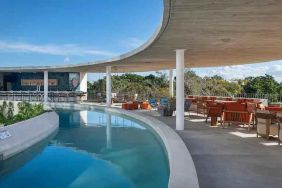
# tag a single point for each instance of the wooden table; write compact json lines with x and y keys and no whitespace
{"x":213,"y":121}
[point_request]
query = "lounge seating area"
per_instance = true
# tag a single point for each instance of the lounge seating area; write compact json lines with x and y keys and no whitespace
{"x":250,"y":114}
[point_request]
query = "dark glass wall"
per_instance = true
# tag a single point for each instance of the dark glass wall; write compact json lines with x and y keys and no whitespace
{"x":13,"y":81}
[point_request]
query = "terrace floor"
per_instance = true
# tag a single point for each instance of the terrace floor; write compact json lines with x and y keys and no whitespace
{"x":230,"y":157}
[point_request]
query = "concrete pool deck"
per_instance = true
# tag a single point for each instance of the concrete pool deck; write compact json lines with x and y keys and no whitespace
{"x":230,"y":157}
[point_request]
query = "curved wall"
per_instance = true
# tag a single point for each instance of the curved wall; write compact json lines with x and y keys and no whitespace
{"x":25,"y":134}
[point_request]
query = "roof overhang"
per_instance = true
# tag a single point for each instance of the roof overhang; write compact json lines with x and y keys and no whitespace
{"x":214,"y":33}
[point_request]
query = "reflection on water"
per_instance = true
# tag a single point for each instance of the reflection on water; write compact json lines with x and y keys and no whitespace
{"x":109,"y":131}
{"x":92,"y":149}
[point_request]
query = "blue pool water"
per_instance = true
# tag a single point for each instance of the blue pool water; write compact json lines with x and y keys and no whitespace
{"x":91,"y":149}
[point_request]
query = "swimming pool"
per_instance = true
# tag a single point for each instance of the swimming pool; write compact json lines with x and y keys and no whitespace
{"x":91,"y":149}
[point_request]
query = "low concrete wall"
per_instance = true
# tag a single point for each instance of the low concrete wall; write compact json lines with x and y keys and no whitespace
{"x":182,"y":169}
{"x":25,"y":134}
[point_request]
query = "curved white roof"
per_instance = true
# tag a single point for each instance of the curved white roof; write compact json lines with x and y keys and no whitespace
{"x":215,"y":33}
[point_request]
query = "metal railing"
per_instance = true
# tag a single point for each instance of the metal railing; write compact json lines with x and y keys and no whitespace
{"x":38,"y":96}
{"x":271,"y":98}
{"x":121,"y":97}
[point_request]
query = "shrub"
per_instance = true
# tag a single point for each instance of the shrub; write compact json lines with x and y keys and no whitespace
{"x":25,"y":111}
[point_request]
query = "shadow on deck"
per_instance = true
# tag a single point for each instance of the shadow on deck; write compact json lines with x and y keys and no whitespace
{"x":229,"y":157}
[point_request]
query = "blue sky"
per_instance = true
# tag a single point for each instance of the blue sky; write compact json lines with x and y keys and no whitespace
{"x":51,"y":32}
{"x":54,"y":32}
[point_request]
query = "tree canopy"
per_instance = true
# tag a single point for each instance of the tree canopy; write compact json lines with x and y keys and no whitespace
{"x":262,"y":85}
{"x":157,"y":85}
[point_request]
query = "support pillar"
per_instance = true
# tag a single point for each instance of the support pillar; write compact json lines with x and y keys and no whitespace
{"x":171,"y":89}
{"x":180,"y":89}
{"x":83,"y":84}
{"x":108,"y":87}
{"x":46,"y":86}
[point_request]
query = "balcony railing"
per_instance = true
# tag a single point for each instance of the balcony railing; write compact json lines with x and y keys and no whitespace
{"x":121,"y":97}
{"x":38,"y":96}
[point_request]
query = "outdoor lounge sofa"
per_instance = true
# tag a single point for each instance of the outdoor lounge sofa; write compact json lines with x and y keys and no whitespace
{"x":237,"y":113}
{"x":130,"y":106}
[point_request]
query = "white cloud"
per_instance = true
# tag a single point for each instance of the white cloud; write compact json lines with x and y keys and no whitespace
{"x":241,"y":71}
{"x":132,"y":42}
{"x":52,"y":49}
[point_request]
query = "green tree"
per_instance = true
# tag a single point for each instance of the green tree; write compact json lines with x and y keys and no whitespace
{"x":262,"y":85}
{"x":193,"y":84}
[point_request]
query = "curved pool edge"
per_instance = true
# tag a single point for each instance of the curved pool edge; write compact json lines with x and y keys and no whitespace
{"x":26,"y":134}
{"x":182,"y":169}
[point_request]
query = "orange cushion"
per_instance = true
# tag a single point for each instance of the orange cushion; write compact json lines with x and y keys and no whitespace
{"x":274,"y":108}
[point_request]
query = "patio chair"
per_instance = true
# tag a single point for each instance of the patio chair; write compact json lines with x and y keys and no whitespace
{"x":171,"y":108}
{"x":187,"y":106}
{"x":167,"y":110}
{"x":266,"y":124}
{"x":214,"y":110}
{"x":153,"y":103}
{"x":251,"y":107}
{"x":164,"y":101}
{"x":163,"y":104}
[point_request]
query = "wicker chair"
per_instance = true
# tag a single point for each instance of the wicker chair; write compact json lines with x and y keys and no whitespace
{"x":170,"y":108}
{"x":266,"y":125}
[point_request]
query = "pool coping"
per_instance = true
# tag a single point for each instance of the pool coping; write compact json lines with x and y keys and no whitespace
{"x":182,"y":169}
{"x":25,"y":134}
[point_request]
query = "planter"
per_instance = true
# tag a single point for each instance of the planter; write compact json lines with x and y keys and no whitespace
{"x":20,"y":136}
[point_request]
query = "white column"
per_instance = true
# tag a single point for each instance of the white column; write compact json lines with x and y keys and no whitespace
{"x":45,"y":86}
{"x":180,"y":89}
{"x":83,"y":84}
{"x":109,"y":131}
{"x":171,"y":83}
{"x":108,"y":87}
